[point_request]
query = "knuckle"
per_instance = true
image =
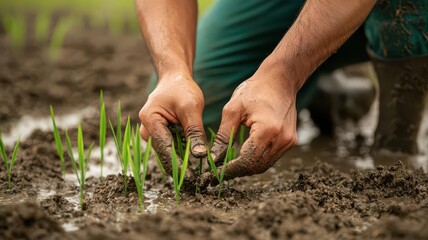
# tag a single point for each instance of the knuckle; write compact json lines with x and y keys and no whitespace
{"x":222,"y":137}
{"x":193,"y":130}
{"x":273,"y":130}
{"x":227,"y":110}
{"x":190,"y":104}
{"x":294,"y":140}
{"x":142,"y":114}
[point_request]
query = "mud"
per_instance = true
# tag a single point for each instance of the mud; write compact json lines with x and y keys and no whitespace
{"x":299,"y":198}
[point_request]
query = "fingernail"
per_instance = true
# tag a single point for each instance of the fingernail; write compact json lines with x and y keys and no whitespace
{"x":200,"y":148}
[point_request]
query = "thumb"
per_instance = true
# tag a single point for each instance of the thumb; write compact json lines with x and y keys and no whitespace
{"x":193,"y":128}
{"x":230,"y":120}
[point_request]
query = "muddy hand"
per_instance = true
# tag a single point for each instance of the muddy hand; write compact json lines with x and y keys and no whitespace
{"x":176,"y":100}
{"x":267,"y":107}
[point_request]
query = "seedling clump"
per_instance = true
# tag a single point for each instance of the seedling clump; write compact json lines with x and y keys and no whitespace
{"x":123,"y":153}
{"x":230,"y":154}
{"x":83,"y":161}
{"x":178,"y":177}
{"x":136,"y":163}
{"x":9,"y":164}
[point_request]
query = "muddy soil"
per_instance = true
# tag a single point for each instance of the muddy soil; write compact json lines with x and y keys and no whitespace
{"x":302,"y":197}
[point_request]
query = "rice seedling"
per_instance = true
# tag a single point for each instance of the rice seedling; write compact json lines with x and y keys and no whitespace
{"x":178,"y":177}
{"x":58,"y":142}
{"x":83,"y":161}
{"x":103,"y":130}
{"x":122,"y":151}
{"x":230,"y":154}
{"x":159,"y":164}
{"x":212,"y":137}
{"x":9,"y":164}
{"x":135,"y":163}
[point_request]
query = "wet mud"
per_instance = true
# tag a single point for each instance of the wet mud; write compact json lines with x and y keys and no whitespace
{"x":301,"y":197}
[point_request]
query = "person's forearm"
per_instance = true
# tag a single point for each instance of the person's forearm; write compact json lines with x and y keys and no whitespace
{"x":320,"y":29}
{"x":169,"y":28}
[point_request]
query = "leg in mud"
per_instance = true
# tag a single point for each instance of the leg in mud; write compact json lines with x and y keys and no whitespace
{"x":398,"y":39}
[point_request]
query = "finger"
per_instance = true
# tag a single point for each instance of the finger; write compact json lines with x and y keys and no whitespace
{"x":162,"y":143}
{"x":205,"y":179}
{"x":143,"y":132}
{"x":230,"y":119}
{"x":256,"y":155}
{"x":193,"y":128}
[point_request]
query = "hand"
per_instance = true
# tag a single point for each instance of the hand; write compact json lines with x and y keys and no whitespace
{"x":267,"y":106}
{"x":176,"y":100}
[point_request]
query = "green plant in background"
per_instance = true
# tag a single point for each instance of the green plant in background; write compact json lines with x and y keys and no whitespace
{"x":103,"y":130}
{"x":136,"y":162}
{"x":9,"y":164}
{"x":42,"y":24}
{"x":15,"y":29}
{"x":58,"y":35}
{"x":230,"y":154}
{"x":83,"y":161}
{"x":58,"y":142}
{"x":178,"y":177}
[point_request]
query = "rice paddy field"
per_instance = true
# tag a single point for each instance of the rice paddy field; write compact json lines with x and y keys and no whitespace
{"x":71,"y":72}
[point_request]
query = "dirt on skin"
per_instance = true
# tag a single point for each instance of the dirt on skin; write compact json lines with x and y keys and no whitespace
{"x":315,"y":201}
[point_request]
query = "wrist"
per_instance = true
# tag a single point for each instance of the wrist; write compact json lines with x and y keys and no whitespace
{"x":274,"y":69}
{"x":169,"y":66}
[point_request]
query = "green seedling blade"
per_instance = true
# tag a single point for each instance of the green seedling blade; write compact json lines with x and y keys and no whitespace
{"x":159,"y":164}
{"x":57,"y":138}
{"x":137,"y":180}
{"x":81,"y":154}
{"x":146,"y":160}
{"x":136,"y":147}
{"x":70,"y":153}
{"x":179,"y":144}
{"x":185,"y":163}
{"x":103,"y":130}
{"x":3,"y":153}
{"x":228,"y":155}
{"x":212,"y":164}
{"x":126,"y":144}
{"x":174,"y":167}
{"x":213,"y":135}
{"x":241,"y":135}
{"x":15,"y":152}
{"x":116,"y":142}
{"x":119,"y":126}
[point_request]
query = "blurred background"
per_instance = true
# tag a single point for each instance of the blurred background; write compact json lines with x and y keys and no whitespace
{"x":64,"y":52}
{"x":30,"y":22}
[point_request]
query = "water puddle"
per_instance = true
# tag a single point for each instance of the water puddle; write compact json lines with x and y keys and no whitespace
{"x":69,"y":227}
{"x":44,"y":194}
{"x":27,"y":124}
